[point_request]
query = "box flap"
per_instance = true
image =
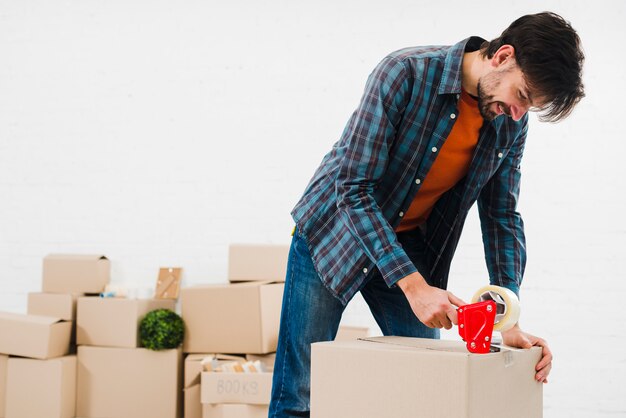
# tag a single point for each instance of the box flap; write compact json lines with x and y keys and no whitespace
{"x":229,"y":285}
{"x":422,"y":343}
{"x":76,"y":257}
{"x":35,"y":319}
{"x":196,"y":357}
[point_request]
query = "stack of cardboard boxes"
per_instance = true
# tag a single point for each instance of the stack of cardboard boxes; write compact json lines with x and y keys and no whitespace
{"x":40,"y":375}
{"x":241,"y":318}
{"x":77,"y":354}
{"x":116,"y":377}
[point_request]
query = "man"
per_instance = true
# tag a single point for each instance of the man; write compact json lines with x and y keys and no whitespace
{"x":438,"y":128}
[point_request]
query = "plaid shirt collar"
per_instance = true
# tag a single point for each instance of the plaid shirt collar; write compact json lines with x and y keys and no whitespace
{"x":452,"y":73}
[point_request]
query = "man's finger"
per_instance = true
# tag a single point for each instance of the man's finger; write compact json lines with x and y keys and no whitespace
{"x":453,"y":316}
{"x":545,"y":359}
{"x":455,"y":300}
{"x":446,"y":323}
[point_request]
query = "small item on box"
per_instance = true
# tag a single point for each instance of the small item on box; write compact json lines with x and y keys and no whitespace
{"x":168,"y":283}
{"x":213,"y":364}
{"x":114,"y":291}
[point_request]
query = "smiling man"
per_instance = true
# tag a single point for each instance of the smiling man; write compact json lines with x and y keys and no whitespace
{"x":437,"y":129}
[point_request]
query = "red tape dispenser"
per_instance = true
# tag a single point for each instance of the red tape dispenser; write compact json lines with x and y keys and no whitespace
{"x":493,"y":308}
{"x":476,"y":325}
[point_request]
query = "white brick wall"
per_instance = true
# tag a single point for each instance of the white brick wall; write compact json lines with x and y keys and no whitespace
{"x":157,"y":132}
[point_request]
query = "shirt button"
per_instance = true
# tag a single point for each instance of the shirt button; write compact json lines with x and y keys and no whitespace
{"x":365,"y":270}
{"x":500,"y":155}
{"x":434,"y":149}
{"x":418,"y":181}
{"x":452,"y":116}
{"x":401,"y":214}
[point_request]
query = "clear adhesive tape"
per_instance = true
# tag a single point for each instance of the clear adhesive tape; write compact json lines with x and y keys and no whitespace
{"x":507,"y":305}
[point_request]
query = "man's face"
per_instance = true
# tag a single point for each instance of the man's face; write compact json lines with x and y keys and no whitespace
{"x":503,"y":91}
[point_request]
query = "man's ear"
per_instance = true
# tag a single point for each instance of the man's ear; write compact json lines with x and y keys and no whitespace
{"x":503,"y":55}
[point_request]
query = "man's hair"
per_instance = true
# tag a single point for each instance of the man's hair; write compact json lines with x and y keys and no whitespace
{"x":548,"y":51}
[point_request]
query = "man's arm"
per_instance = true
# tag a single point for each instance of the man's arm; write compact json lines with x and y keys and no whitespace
{"x":369,"y":137}
{"x":505,"y":245}
{"x":501,"y":224}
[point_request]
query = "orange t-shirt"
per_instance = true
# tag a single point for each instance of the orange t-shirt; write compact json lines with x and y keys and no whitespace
{"x":450,"y":166}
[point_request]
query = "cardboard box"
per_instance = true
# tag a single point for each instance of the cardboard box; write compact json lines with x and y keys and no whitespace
{"x":55,"y":304}
{"x":3,"y":382}
{"x":193,"y":368}
{"x":41,"y":388}
{"x":114,"y":322}
{"x":128,"y":383}
{"x":75,"y":274}
{"x":193,"y":365}
{"x":425,"y":378}
{"x":191,"y":381}
{"x":232,"y":318}
{"x":34,"y":336}
{"x":234,"y":411}
{"x":59,"y":305}
{"x":193,"y":406}
{"x":248,"y":388}
{"x":349,"y":333}
{"x":248,"y":262}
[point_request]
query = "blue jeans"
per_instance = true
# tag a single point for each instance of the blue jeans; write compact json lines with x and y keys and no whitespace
{"x":310,"y":313}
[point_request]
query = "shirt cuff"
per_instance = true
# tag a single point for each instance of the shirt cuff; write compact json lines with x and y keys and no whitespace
{"x":395,"y":266}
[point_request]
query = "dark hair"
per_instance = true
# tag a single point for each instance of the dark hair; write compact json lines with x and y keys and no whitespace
{"x":548,"y":51}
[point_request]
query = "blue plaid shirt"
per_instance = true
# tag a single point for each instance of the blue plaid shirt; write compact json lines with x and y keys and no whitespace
{"x":367,"y":181}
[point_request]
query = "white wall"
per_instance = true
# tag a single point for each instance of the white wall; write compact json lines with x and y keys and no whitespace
{"x":158,"y":132}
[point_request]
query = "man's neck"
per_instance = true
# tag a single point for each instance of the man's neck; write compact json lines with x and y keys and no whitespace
{"x":471,"y":71}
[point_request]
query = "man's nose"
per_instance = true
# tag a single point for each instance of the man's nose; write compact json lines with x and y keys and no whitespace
{"x":517,"y":112}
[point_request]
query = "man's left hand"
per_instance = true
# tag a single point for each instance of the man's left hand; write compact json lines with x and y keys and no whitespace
{"x":515,"y":337}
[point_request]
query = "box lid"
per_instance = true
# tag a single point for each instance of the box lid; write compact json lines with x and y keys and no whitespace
{"x":451,"y":346}
{"x":76,"y":257}
{"x":34,"y":319}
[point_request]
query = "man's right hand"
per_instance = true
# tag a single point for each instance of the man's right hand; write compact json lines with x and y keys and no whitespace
{"x":436,"y":308}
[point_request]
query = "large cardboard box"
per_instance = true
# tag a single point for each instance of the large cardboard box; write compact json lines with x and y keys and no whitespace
{"x":248,"y":262}
{"x":3,"y":382}
{"x":59,"y":305}
{"x":248,"y":388}
{"x":41,"y":388}
{"x":75,"y":274}
{"x":424,"y":378}
{"x":191,"y":380}
{"x":234,"y":411}
{"x":128,"y":383}
{"x":114,"y":322}
{"x":232,"y":318}
{"x":34,"y":336}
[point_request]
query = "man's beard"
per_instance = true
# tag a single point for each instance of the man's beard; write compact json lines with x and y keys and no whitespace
{"x":487,"y":84}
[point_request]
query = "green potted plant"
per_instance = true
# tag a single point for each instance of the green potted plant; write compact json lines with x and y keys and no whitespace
{"x":161,"y":329}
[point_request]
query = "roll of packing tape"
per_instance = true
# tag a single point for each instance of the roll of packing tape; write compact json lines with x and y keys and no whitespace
{"x":507,"y":305}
